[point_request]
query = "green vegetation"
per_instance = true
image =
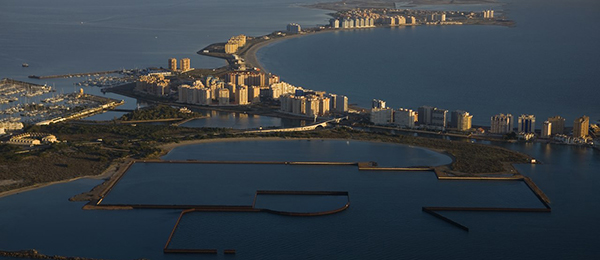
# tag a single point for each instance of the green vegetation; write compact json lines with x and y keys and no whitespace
{"x":157,"y":112}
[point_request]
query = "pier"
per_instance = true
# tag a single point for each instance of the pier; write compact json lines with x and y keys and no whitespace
{"x":18,"y":82}
{"x":74,"y":75}
{"x":251,"y":208}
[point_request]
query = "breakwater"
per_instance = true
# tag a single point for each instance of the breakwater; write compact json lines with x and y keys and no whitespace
{"x":20,"y":83}
{"x":253,"y":208}
{"x":250,"y":208}
{"x":530,"y":184}
{"x":74,"y":75}
{"x":34,"y":254}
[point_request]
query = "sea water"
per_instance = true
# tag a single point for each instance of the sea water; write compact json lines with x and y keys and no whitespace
{"x":384,"y":219}
{"x":546,"y":65}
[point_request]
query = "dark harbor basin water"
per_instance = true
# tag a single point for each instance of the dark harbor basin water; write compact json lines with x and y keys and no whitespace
{"x":301,"y":203}
{"x":239,"y":120}
{"x":384,"y":220}
{"x":319,"y":150}
{"x":236,"y":184}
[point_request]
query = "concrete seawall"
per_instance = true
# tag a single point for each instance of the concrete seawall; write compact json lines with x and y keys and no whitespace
{"x":362,"y":166}
{"x":74,"y":74}
{"x":452,"y":222}
{"x":251,"y":208}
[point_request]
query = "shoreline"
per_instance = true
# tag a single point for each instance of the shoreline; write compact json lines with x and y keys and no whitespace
{"x":250,"y":54}
{"x":167,"y":148}
{"x":106,"y":174}
{"x":119,"y":166}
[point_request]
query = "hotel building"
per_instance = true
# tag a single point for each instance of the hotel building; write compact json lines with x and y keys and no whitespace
{"x":432,"y":117}
{"x":558,"y":124}
{"x":502,"y":124}
{"x":185,"y":64}
{"x":173,"y":64}
{"x":546,"y":129}
{"x":376,"y":103}
{"x":460,"y":120}
{"x":294,"y":28}
{"x":382,"y":116}
{"x":581,"y":127}
{"x":526,"y":123}
{"x":404,"y":118}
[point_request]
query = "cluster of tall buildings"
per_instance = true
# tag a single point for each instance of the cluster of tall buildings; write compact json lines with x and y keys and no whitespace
{"x":247,"y":87}
{"x":401,"y":20}
{"x":183,"y":67}
{"x":504,"y":124}
{"x":436,"y":17}
{"x":353,"y":22}
{"x":250,"y":78}
{"x":294,"y":28}
{"x":153,"y":84}
{"x":235,"y":43}
{"x":213,"y":91}
{"x":313,"y":103}
{"x":487,"y":14}
{"x":425,"y":117}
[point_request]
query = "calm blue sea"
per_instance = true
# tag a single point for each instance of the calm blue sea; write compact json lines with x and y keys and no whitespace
{"x":384,"y":219}
{"x":70,"y":36}
{"x":547,"y":65}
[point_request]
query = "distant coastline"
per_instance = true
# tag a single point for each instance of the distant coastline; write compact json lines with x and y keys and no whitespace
{"x":248,"y":54}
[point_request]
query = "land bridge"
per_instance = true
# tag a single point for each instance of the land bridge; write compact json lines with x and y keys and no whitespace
{"x":298,"y":129}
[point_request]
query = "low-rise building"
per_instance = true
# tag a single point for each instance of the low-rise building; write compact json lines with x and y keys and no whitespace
{"x":9,"y":126}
